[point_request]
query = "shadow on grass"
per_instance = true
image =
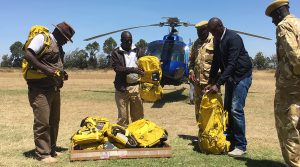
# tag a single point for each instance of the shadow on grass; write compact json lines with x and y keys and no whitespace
{"x":170,"y":97}
{"x":260,"y":163}
{"x":100,"y":91}
{"x":249,"y":162}
{"x":193,"y":140}
{"x":31,"y":153}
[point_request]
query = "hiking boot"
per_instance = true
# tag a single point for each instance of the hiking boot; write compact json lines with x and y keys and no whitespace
{"x":49,"y":159}
{"x":236,"y":153}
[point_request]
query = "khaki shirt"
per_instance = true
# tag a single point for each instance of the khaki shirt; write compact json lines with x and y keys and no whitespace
{"x":288,"y":53}
{"x":200,"y":60}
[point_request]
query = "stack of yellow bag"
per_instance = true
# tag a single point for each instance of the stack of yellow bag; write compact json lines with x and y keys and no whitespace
{"x":98,"y":133}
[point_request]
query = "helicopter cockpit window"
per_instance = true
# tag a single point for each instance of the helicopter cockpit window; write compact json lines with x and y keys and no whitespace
{"x":155,"y":49}
{"x":169,"y":50}
{"x":178,"y":53}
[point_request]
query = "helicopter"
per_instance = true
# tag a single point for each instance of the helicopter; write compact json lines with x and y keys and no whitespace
{"x":172,"y":51}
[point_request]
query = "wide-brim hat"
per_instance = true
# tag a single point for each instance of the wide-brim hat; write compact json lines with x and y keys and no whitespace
{"x":201,"y":24}
{"x":275,"y":5}
{"x":66,"y":30}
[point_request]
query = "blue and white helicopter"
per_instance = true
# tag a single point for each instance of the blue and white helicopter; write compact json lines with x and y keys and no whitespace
{"x":171,"y":50}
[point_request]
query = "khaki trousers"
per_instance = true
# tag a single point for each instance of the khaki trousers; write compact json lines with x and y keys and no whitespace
{"x":132,"y":98}
{"x":287,"y":121}
{"x":198,"y":97}
{"x":46,"y":110}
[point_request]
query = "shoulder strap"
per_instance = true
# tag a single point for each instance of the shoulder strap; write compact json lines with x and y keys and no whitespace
{"x":46,"y":45}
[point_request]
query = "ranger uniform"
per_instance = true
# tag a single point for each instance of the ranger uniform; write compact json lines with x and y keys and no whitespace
{"x":200,"y":60}
{"x":287,"y":94}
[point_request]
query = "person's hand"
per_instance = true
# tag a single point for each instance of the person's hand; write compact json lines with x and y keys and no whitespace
{"x":213,"y":89}
{"x":192,"y":77}
{"x":140,"y":71}
{"x":49,"y":71}
{"x":206,"y":89}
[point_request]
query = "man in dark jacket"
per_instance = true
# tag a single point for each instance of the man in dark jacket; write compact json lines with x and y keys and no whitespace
{"x":232,"y":58}
{"x":124,"y":62}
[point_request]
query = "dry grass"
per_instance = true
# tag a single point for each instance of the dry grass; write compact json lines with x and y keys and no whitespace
{"x":89,"y":93}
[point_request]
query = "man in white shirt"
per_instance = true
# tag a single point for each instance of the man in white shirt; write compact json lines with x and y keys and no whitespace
{"x":124,"y":62}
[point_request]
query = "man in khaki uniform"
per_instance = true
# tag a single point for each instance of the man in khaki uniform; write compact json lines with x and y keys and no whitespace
{"x":200,"y":60}
{"x":287,"y":94}
{"x":44,"y":93}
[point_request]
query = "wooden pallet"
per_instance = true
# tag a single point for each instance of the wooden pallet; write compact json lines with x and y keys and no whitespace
{"x":82,"y":155}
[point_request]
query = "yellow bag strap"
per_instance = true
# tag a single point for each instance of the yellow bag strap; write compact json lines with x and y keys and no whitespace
{"x":147,"y":86}
{"x":46,"y":45}
{"x":224,"y":119}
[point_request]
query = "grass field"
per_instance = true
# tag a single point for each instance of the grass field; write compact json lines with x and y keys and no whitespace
{"x":91,"y":93}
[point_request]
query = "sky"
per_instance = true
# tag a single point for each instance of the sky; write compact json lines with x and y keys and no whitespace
{"x":94,"y":17}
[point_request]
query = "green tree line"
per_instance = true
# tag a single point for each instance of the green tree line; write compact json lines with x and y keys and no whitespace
{"x":261,"y":62}
{"x":90,"y":57}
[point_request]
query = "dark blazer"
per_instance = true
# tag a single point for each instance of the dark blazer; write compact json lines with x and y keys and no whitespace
{"x":119,"y":66}
{"x":232,"y":58}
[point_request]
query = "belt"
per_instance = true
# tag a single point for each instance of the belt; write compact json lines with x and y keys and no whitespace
{"x":54,"y":88}
{"x":133,"y":84}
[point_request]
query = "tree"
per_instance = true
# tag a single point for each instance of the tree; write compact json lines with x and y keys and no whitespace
{"x":274,"y":61}
{"x":16,"y":54}
{"x":268,"y":62}
{"x":142,"y":44}
{"x":259,"y":61}
{"x":93,"y":49}
{"x":108,"y":45}
{"x":103,"y":62}
{"x":5,"y":61}
{"x":77,"y":59}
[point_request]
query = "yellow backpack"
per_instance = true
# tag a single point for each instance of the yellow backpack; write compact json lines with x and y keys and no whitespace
{"x":147,"y":133}
{"x":121,"y":137}
{"x":93,"y":130}
{"x":212,"y":124}
{"x":27,"y":70}
{"x":150,"y":88}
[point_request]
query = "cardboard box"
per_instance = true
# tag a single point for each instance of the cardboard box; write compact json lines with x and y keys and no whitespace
{"x":81,"y":155}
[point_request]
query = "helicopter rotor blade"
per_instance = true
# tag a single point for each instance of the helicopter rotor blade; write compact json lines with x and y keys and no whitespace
{"x":186,"y":24}
{"x":112,"y":32}
{"x":252,"y":35}
{"x":244,"y":33}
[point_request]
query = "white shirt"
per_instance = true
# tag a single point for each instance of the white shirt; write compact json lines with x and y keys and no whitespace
{"x":37,"y":43}
{"x":131,"y":61}
{"x":223,"y":33}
